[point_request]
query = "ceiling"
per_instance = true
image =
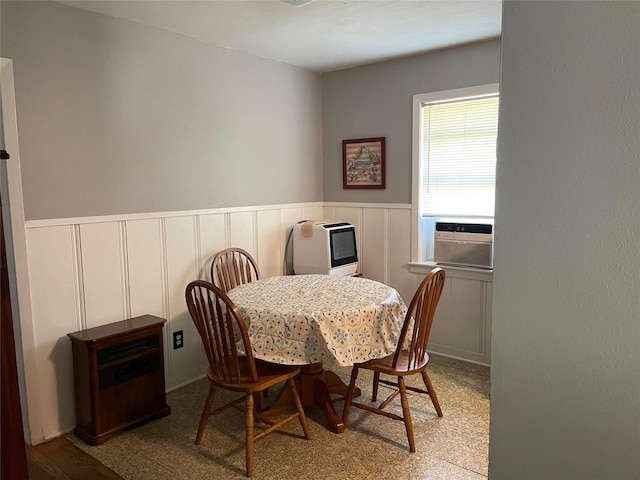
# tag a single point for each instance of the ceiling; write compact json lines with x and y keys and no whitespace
{"x":319,"y":35}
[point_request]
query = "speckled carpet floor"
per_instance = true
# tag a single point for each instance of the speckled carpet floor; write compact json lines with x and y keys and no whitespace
{"x":372,"y":447}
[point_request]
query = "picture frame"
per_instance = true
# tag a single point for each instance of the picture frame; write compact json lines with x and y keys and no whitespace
{"x":363,"y":163}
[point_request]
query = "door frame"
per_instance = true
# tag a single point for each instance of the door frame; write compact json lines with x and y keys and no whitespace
{"x":16,"y":245}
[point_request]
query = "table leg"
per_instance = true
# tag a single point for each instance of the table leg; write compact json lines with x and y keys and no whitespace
{"x":322,"y":399}
{"x":336,"y":386}
{"x":325,"y":384}
{"x":315,"y":387}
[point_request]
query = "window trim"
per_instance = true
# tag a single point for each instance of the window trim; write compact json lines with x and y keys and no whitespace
{"x":418,"y":100}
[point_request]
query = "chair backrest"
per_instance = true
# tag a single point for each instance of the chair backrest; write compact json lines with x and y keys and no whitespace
{"x":232,"y":267}
{"x":419,"y":318}
{"x":221,"y":328}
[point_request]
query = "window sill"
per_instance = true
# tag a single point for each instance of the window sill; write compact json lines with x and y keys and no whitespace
{"x":453,"y":270}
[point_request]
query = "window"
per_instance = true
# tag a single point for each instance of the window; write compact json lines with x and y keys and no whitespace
{"x":454,"y":159}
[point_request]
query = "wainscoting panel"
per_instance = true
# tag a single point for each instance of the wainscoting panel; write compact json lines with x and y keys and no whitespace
{"x":182,"y":256}
{"x":243,"y":231}
{"x":101,"y":257}
{"x":462,"y":325}
{"x":303,"y":213}
{"x":373,"y":252}
{"x":213,"y":238}
{"x":352,"y":215}
{"x":399,"y":253}
{"x":269,"y":245}
{"x":52,"y":268}
{"x":291,"y":216}
{"x":469,"y":304}
{"x":145,"y":267}
{"x":314,"y":212}
{"x":53,"y":283}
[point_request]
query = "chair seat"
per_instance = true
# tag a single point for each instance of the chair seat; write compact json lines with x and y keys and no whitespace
{"x":403,"y":367}
{"x":268,"y":375}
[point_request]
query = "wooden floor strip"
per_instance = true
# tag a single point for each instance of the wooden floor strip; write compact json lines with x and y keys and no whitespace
{"x":60,"y":459}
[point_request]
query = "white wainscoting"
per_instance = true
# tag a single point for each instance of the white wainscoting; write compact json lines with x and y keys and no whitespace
{"x":86,"y":272}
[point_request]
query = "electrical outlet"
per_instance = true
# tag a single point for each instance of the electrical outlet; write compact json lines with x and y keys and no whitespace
{"x":178,"y":339}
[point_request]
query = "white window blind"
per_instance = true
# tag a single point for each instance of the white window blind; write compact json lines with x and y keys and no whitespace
{"x":459,"y":157}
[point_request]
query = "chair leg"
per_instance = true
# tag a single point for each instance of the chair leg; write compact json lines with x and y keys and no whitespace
{"x":349,"y":396}
{"x":376,"y":381}
{"x":301,"y":414}
{"x":406,"y":414}
{"x":206,"y":411}
{"x":249,"y":434}
{"x":432,"y":392}
{"x":257,"y":402}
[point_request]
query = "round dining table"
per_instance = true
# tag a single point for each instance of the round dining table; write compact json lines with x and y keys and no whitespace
{"x":319,"y":322}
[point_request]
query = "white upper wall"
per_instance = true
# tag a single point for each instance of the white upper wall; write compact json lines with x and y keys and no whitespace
{"x":565,"y":377}
{"x":116,"y":117}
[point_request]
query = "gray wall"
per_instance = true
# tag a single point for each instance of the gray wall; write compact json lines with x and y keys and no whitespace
{"x":565,"y":378}
{"x":115,"y":117}
{"x":376,"y":101}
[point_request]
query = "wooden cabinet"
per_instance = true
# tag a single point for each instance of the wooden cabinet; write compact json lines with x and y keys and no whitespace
{"x":118,"y":376}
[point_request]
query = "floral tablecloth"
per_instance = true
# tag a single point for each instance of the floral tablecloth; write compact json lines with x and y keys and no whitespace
{"x":302,"y":319}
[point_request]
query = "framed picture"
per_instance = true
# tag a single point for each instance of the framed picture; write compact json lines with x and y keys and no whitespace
{"x":363,"y":163}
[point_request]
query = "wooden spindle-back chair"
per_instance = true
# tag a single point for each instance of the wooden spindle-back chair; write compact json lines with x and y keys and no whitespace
{"x":232,"y":267}
{"x":410,"y":357}
{"x":232,"y":365}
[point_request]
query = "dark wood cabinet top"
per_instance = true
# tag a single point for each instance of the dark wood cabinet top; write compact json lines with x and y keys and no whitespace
{"x":115,"y":329}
